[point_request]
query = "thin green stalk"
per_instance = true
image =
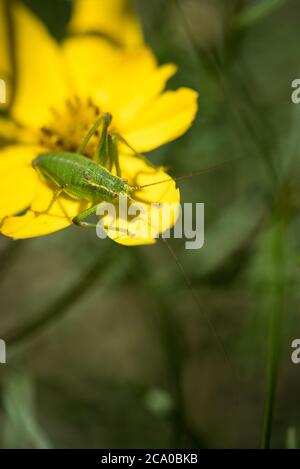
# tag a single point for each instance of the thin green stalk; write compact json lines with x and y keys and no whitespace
{"x":211,"y":59}
{"x":256,"y":12}
{"x":276,"y":319}
{"x":103,"y":265}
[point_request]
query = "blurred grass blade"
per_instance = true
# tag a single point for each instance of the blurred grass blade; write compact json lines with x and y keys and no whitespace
{"x":291,"y":438}
{"x":277,"y":291}
{"x":245,"y":214}
{"x":21,"y":429}
{"x":257,"y":11}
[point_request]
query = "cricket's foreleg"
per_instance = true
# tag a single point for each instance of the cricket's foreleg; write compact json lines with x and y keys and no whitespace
{"x":89,"y":135}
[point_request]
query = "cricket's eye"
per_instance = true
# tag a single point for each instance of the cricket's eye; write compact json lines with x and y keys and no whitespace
{"x":87,"y":176}
{"x":115,"y":195}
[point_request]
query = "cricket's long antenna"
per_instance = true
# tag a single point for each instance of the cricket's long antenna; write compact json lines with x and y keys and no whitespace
{"x":190,"y":174}
{"x":185,"y":275}
{"x":199,"y":307}
{"x":204,"y":315}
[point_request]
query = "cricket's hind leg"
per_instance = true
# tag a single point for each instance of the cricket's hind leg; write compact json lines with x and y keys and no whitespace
{"x":107,"y":151}
{"x":101,"y":154}
{"x":89,"y":135}
{"x":113,"y":153}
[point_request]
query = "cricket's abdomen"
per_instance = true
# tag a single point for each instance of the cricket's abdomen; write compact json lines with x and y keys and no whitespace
{"x":81,"y":177}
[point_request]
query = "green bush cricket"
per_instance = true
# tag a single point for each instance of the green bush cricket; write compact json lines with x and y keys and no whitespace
{"x":83,"y":178}
{"x":87,"y":179}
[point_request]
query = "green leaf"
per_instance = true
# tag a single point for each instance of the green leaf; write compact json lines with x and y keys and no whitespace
{"x":21,"y":429}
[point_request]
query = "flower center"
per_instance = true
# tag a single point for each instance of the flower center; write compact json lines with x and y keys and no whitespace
{"x":67,"y":129}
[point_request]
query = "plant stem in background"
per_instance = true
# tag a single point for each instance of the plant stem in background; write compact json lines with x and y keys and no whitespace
{"x":276,"y":316}
{"x":252,"y":124}
{"x":108,"y":265}
{"x":199,"y":54}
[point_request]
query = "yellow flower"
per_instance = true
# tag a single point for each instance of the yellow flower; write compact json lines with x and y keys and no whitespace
{"x":60,"y":92}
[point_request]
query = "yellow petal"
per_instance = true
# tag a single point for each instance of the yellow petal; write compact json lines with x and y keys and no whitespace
{"x":41,"y":83}
{"x":154,"y":209}
{"x":18,"y":180}
{"x":135,"y":231}
{"x":143,"y":226}
{"x":32,"y":225}
{"x":139,"y":173}
{"x":169,"y":117}
{"x":142,"y":82}
{"x":37,"y":223}
{"x":91,"y":61}
{"x":96,"y":67}
{"x":112,"y":18}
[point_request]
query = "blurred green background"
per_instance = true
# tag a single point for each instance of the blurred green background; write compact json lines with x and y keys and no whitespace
{"x":120,"y":355}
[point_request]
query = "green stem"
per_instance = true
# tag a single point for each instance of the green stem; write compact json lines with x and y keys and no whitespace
{"x":278,"y":292}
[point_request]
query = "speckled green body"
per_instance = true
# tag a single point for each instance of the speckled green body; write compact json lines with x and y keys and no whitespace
{"x":80,"y":177}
